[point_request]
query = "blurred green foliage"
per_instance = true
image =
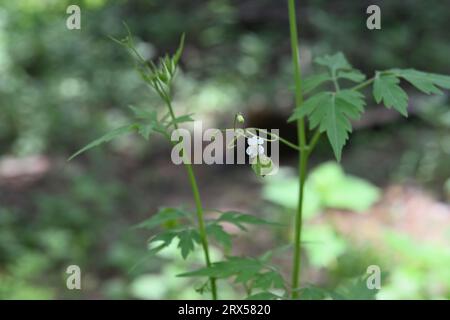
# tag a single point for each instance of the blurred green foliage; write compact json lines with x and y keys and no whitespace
{"x":57,"y":82}
{"x":327,"y":187}
{"x":61,"y":88}
{"x":412,"y":270}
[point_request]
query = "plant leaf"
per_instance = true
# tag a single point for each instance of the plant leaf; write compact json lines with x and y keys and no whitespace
{"x":163,"y":215}
{"x":332,"y":113}
{"x":244,"y":270}
{"x":386,"y":89}
{"x":240,"y":219}
{"x":233,"y":266}
{"x":179,"y":52}
{"x":181,"y":119}
{"x":312,"y":82}
{"x":145,"y":130}
{"x":425,"y":82}
{"x":309,"y":106}
{"x":107,"y":137}
{"x":140,"y":113}
{"x":440,"y":80}
{"x":334,"y":62}
{"x":187,"y":239}
{"x":162,"y":240}
{"x":217,"y":231}
{"x":151,"y":123}
{"x":312,"y":293}
{"x":352,"y":75}
{"x":269,"y":279}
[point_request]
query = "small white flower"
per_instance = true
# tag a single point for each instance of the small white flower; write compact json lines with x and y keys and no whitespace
{"x":255,"y":146}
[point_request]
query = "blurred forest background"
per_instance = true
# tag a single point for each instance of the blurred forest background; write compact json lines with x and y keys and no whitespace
{"x":387,"y":203}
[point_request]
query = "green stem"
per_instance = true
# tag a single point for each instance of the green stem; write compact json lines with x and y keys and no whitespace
{"x":296,"y":263}
{"x":314,"y":140}
{"x":297,"y":71}
{"x":199,"y":207}
{"x":303,"y":155}
{"x":363,"y":84}
{"x":201,"y":225}
{"x":335,"y":81}
{"x":369,"y":81}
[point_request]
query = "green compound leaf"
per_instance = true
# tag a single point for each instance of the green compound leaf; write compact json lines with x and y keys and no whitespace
{"x":181,"y":119}
{"x":386,"y":88}
{"x":339,"y":68}
{"x":170,"y":218}
{"x":352,"y":75}
{"x":313,"y":293}
{"x":108,"y":137}
{"x":216,"y":230}
{"x":332,"y":112}
{"x":440,"y":80}
{"x":143,"y":114}
{"x":161,"y":241}
{"x":269,"y":279}
{"x":243,"y":268}
{"x":334,"y":62}
{"x":145,"y":130}
{"x":425,"y":82}
{"x":312,"y":82}
{"x":309,"y":106}
{"x":187,"y":239}
{"x":240,"y":219}
{"x":150,"y":123}
{"x":163,"y":216}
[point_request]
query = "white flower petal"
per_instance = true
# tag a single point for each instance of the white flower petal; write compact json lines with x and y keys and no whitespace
{"x":251,"y":151}
{"x":252,"y":141}
{"x":260,"y":140}
{"x":260,"y":150}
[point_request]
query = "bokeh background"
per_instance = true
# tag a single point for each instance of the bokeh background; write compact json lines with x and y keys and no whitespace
{"x":387,"y":203}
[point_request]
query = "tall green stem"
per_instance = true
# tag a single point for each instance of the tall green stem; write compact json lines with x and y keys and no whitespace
{"x":199,"y":207}
{"x":201,"y":225}
{"x":303,"y":155}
